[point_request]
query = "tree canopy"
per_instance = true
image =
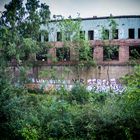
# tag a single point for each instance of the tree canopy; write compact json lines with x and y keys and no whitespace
{"x":19,"y":30}
{"x":20,"y":26}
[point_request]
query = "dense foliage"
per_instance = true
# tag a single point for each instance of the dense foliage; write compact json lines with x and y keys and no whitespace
{"x":19,"y":33}
{"x":77,"y":114}
{"x":71,"y":115}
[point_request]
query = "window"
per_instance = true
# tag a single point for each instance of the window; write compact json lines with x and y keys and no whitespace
{"x":139,"y":33}
{"x":67,"y":36}
{"x":115,"y":34}
{"x":131,"y":33}
{"x":63,"y":54}
{"x":46,"y":37}
{"x":39,"y":37}
{"x":59,"y":36}
{"x":105,"y":34}
{"x":82,"y":34}
{"x":111,"y":53}
{"x":85,"y":55}
{"x":91,"y":35}
{"x":134,"y":52}
{"x":42,"y":56}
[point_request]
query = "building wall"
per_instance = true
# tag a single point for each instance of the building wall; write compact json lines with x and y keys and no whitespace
{"x":100,"y":72}
{"x":123,"y":24}
{"x":98,"y":50}
{"x":116,"y":68}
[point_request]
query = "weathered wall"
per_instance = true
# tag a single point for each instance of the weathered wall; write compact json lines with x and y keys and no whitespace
{"x":96,"y":24}
{"x":99,"y":72}
{"x":98,"y":50}
{"x":117,"y":68}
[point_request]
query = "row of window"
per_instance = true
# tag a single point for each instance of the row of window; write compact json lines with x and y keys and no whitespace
{"x":109,"y":53}
{"x":131,"y":35}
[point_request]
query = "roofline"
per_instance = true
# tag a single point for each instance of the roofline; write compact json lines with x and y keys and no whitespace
{"x":106,"y":17}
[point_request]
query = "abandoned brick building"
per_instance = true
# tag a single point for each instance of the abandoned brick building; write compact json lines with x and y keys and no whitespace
{"x":127,"y":40}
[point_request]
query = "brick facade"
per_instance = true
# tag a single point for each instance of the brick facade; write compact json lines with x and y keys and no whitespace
{"x":98,"y":51}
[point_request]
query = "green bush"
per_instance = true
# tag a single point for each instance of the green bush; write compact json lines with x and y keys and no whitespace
{"x":79,"y":94}
{"x":74,"y":115}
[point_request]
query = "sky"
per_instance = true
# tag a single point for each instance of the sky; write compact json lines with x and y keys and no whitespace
{"x":90,"y":8}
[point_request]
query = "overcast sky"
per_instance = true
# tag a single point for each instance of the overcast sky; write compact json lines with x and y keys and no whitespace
{"x":90,"y":8}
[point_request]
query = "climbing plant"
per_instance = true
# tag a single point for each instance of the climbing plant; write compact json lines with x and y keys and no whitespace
{"x":110,"y":52}
{"x":74,"y":39}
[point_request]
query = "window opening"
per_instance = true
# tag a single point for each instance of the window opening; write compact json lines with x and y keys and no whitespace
{"x":59,"y":36}
{"x":110,"y":53}
{"x":91,"y":35}
{"x":67,"y":36}
{"x":43,"y":55}
{"x":139,"y":33}
{"x":85,"y":55}
{"x":63,"y":54}
{"x":131,"y":33}
{"x":46,"y":37}
{"x":105,"y":34}
{"x":116,"y":34}
{"x":39,"y":37}
{"x":82,"y":34}
{"x":134,"y":52}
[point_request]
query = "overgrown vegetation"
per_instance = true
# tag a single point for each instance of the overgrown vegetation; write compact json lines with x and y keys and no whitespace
{"x":77,"y":114}
{"x":66,"y":115}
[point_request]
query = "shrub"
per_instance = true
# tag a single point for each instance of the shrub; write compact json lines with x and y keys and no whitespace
{"x":79,"y":94}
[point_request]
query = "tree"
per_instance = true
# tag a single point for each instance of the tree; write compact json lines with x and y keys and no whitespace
{"x":74,"y":38}
{"x":20,"y":27}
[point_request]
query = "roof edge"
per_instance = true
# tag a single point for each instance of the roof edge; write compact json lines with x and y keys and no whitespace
{"x":105,"y":17}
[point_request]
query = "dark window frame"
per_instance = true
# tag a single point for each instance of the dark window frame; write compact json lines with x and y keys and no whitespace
{"x":39,"y":37}
{"x":131,"y":33}
{"x":134,"y":52}
{"x":63,"y":54}
{"x":59,"y":36}
{"x":111,"y":55}
{"x":138,"y":33}
{"x":105,"y":34}
{"x":91,"y":35}
{"x":46,"y":37}
{"x":43,"y":55}
{"x":82,"y":35}
{"x":116,"y":35}
{"x":90,"y":55}
{"x":67,"y":36}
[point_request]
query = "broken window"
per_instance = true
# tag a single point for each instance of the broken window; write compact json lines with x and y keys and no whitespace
{"x":105,"y":34}
{"x":111,"y":53}
{"x":39,"y":37}
{"x":67,"y":36}
{"x":82,"y":34}
{"x":59,"y":36}
{"x":115,"y":34}
{"x":86,"y":54}
{"x":134,"y":52}
{"x":131,"y":33}
{"x":46,"y":37}
{"x":63,"y":54}
{"x":139,"y":33}
{"x":91,"y":35}
{"x":42,"y":56}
